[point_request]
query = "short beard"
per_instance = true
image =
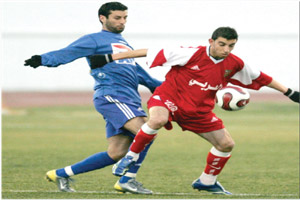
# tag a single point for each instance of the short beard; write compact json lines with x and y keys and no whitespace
{"x":114,"y":29}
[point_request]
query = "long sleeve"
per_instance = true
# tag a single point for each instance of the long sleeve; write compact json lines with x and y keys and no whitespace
{"x":82,"y":47}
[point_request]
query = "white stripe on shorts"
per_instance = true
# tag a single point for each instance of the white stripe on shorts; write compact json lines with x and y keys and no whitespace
{"x":122,"y":106}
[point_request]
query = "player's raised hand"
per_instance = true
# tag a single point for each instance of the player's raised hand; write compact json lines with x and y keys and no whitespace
{"x":34,"y":61}
{"x":100,"y":60}
{"x":293,"y":95}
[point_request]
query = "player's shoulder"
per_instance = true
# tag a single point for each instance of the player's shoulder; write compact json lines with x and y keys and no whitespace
{"x":235,"y":59}
{"x":89,"y":36}
{"x":97,"y":34}
{"x":199,"y":52}
{"x":194,"y":47}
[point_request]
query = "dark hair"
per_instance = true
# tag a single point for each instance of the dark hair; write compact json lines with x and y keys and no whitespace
{"x":106,"y":8}
{"x":225,"y":32}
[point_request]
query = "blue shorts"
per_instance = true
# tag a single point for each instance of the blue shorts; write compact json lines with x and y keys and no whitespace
{"x":116,"y":111}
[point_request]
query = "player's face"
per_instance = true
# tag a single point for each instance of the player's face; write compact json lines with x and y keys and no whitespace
{"x":221,"y":47}
{"x":115,"y":22}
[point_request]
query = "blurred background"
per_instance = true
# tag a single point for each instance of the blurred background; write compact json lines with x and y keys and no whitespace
{"x":268,"y":36}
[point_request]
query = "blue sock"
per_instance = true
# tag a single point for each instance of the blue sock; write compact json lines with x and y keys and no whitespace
{"x":96,"y":161}
{"x":133,"y":169}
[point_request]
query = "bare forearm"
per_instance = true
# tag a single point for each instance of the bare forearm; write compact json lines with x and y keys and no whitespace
{"x":130,"y":54}
{"x":278,"y":86}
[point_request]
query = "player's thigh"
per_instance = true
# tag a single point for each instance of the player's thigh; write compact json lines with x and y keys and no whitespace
{"x":134,"y":124}
{"x":220,"y":139}
{"x":118,"y":146}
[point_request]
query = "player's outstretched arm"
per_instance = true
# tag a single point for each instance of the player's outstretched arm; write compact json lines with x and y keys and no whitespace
{"x":293,"y":95}
{"x":101,"y":60}
{"x":35,"y":61}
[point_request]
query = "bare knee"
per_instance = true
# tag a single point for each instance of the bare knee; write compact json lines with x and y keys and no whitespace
{"x":225,"y":146}
{"x":157,"y":122}
{"x":118,"y":146}
{"x":116,"y":154}
{"x":159,"y":116}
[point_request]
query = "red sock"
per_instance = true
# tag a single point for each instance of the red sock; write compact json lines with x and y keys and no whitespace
{"x":140,"y":141}
{"x":215,"y":164}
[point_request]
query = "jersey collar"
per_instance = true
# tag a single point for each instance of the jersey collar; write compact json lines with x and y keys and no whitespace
{"x":212,"y":58}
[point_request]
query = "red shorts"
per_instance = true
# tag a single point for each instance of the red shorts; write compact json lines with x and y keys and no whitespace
{"x":197,"y":123}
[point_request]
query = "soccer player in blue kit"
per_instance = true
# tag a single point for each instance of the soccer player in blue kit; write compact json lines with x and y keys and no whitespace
{"x":116,"y":97}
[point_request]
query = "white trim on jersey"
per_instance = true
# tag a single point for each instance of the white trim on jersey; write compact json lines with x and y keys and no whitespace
{"x":173,"y":56}
{"x":246,"y":75}
{"x":212,"y":58}
{"x":122,"y":106}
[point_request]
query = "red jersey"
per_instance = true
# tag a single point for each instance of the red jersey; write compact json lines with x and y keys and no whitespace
{"x":195,"y":76}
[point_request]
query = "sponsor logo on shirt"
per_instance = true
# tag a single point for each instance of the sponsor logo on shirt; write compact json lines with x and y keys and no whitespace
{"x":204,"y":86}
{"x":119,"y":48}
{"x":171,"y":105}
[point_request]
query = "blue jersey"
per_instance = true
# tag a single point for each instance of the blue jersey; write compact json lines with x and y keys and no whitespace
{"x":118,"y":78}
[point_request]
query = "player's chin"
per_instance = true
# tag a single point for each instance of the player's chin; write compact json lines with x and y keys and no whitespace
{"x":224,"y":56}
{"x":119,"y":30}
{"x":121,"y":27}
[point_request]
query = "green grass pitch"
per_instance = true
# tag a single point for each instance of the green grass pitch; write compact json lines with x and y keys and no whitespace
{"x":264,"y":163}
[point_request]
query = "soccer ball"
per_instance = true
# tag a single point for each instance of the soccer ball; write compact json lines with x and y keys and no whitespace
{"x":232,"y":98}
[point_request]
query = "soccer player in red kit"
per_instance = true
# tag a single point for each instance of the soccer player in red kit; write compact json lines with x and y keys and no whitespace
{"x":187,"y":96}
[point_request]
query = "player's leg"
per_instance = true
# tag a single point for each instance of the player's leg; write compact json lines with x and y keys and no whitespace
{"x":134,"y":125}
{"x":117,"y":147}
{"x":219,"y":154}
{"x":216,"y":159}
{"x":118,"y":143}
{"x":128,"y":182}
{"x":158,"y":117}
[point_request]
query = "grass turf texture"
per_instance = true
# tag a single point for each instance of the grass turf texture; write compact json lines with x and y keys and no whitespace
{"x":264,"y":163}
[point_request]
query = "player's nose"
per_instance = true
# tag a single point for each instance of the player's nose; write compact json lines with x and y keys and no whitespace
{"x":226,"y":49}
{"x":123,"y":21}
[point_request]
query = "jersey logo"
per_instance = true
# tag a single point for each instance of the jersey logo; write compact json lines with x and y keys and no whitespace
{"x":214,"y":119}
{"x":119,"y":48}
{"x":204,"y":86}
{"x":156,"y":97}
{"x":227,"y":72}
{"x":196,"y":67}
{"x":101,"y":75}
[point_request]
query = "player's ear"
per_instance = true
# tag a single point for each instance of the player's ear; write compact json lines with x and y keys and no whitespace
{"x":102,"y":18}
{"x":210,"y":41}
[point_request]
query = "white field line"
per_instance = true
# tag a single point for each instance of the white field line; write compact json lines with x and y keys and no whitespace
{"x":155,"y":193}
